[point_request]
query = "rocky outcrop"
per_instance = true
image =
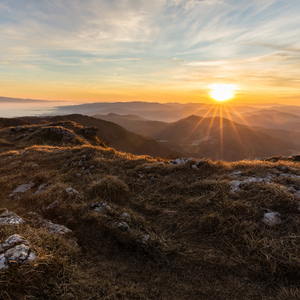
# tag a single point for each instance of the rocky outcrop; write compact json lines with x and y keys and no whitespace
{"x":23,"y":188}
{"x":15,"y":249}
{"x":10,"y":218}
{"x":53,"y":228}
{"x":62,"y":133}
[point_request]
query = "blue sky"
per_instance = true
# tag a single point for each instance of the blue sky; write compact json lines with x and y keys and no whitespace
{"x":149,"y":50}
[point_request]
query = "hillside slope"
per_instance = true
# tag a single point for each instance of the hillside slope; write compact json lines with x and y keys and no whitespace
{"x":113,"y":135}
{"x":102,"y":224}
{"x":198,"y":137}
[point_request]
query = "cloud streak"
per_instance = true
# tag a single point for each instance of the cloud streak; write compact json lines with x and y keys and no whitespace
{"x":158,"y":43}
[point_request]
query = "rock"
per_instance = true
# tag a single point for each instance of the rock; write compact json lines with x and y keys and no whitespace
{"x":41,"y":188}
{"x":100,"y":206}
{"x":91,"y":131}
{"x":62,"y":133}
{"x":236,"y":184}
{"x":23,"y":188}
{"x":51,"y":206}
{"x":125,"y":216}
{"x":123,"y":226}
{"x":180,"y":161}
{"x":271,"y":218}
{"x":144,"y":240}
{"x":10,"y":218}
{"x":235,"y":174}
{"x":78,"y":175}
{"x":15,"y":249}
{"x":50,"y":226}
{"x":56,"y":228}
{"x":71,"y":191}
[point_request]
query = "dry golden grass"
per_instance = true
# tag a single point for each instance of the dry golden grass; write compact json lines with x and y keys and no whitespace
{"x":205,"y":242}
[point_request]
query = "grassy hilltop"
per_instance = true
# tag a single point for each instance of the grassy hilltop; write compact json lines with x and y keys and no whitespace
{"x":144,"y":227}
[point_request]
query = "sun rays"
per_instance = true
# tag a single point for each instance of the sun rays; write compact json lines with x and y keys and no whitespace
{"x":220,"y":112}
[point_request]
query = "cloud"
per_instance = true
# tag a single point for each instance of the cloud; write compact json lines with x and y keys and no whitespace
{"x":151,"y":42}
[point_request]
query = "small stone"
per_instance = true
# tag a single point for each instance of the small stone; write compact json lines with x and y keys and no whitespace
{"x":71,"y":191}
{"x":3,"y":262}
{"x":53,"y":205}
{"x":125,"y":216}
{"x":235,"y":174}
{"x":180,"y":161}
{"x":78,"y":175}
{"x":144,"y":240}
{"x":41,"y":188}
{"x":123,"y":226}
{"x":271,"y":218}
{"x":99,"y":207}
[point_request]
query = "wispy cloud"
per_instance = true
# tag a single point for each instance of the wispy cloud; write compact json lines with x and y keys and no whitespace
{"x":160,"y":43}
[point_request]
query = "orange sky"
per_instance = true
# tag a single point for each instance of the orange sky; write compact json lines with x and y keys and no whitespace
{"x":164,"y":51}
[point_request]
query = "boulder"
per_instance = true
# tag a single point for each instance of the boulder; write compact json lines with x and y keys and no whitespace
{"x":15,"y":249}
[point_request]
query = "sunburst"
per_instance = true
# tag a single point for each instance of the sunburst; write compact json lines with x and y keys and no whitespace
{"x":222,"y":92}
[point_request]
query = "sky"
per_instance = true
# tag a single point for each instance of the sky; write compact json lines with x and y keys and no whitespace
{"x":158,"y":50}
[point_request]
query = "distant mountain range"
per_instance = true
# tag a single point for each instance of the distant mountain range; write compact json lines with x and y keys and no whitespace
{"x":192,"y":129}
{"x":206,"y":137}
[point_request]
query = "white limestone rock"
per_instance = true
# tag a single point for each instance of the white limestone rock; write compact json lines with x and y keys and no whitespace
{"x":71,"y":191}
{"x":10,"y":218}
{"x":180,"y":161}
{"x":41,"y":188}
{"x":23,"y":188}
{"x":144,"y":240}
{"x":15,"y":249}
{"x":125,"y":216}
{"x":272,"y":219}
{"x":100,"y":206}
{"x":236,"y":184}
{"x":53,"y":228}
{"x":123,"y":226}
{"x":56,"y":228}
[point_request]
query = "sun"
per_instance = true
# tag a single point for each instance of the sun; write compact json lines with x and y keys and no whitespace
{"x":222,"y":92}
